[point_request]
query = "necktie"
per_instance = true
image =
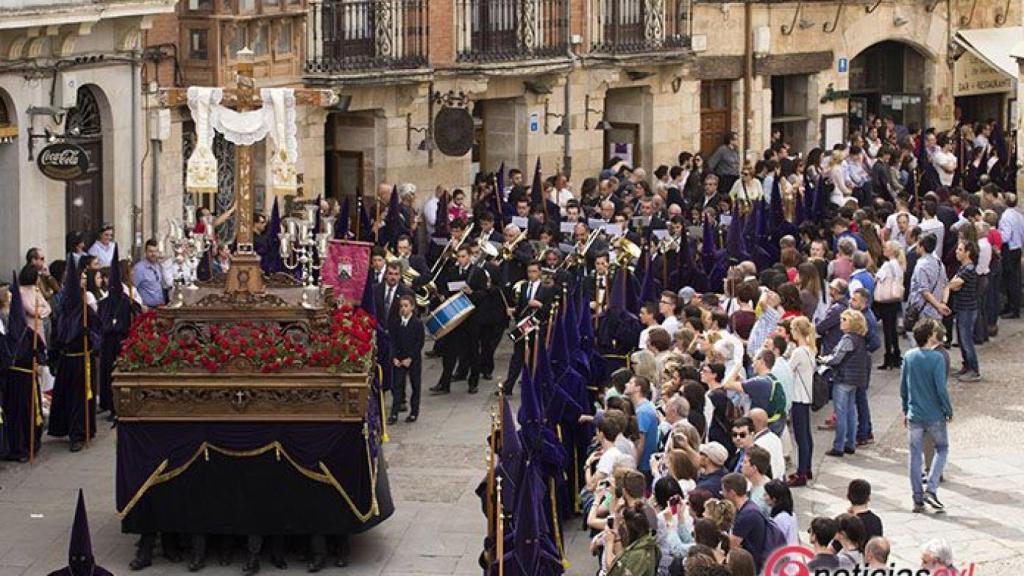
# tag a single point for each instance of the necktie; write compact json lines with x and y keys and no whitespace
{"x":391,"y":294}
{"x":531,"y":292}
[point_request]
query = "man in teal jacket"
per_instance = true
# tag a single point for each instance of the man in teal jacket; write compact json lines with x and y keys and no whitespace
{"x":926,"y":410}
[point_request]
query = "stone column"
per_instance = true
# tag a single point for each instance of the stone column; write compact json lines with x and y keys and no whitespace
{"x":1018,"y":54}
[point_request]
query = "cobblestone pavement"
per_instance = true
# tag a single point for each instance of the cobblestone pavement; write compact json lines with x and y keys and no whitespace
{"x":435,"y":465}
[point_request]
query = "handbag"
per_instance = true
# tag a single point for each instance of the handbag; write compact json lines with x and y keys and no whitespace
{"x":821,"y":388}
{"x":888,"y":289}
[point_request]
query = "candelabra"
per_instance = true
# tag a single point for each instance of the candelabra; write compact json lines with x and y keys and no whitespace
{"x":187,"y":247}
{"x":305,"y":251}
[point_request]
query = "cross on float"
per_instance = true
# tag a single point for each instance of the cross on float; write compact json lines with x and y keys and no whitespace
{"x":245,"y":275}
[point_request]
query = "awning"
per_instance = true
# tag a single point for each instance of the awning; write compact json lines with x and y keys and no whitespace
{"x":993,"y":46}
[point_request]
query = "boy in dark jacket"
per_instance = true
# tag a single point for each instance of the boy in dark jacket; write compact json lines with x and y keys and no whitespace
{"x":406,"y":359}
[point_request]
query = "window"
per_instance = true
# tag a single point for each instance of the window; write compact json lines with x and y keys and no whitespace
{"x":239,"y":40}
{"x":259,"y":39}
{"x":200,"y":5}
{"x":283,"y":41}
{"x":271,"y":2}
{"x":197,"y":45}
{"x":246,"y":5}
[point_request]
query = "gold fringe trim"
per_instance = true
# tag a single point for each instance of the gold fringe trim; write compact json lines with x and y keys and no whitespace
{"x":161,"y":474}
{"x":554,"y":520}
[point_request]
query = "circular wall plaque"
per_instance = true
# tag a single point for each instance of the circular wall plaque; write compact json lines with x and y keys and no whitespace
{"x":453,"y":131}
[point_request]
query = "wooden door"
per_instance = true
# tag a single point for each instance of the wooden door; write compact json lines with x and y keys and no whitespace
{"x":715,"y":114}
{"x":84,"y":197}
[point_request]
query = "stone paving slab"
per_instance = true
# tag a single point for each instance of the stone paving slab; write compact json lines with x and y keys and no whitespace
{"x":436,"y":463}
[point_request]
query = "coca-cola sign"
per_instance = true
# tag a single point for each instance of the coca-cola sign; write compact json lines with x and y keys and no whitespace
{"x":63,"y":161}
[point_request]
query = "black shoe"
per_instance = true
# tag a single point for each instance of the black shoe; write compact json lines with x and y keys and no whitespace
{"x":341,"y":562}
{"x":435,"y":391}
{"x":317,"y":563}
{"x":143,"y":559}
{"x":850,"y":451}
{"x":252,"y":565}
{"x":279,"y":562}
{"x":76,"y":445}
{"x":473,"y":388}
{"x":224,"y":559}
{"x":932,"y":500}
{"x":411,"y":418}
{"x":883,"y":366}
{"x":393,"y":419}
{"x":196,"y":564}
{"x":918,"y":508}
{"x":834,"y":452}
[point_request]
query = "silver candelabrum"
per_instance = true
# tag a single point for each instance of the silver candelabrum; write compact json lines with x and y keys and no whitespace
{"x":301,"y":249}
{"x":187,"y":247}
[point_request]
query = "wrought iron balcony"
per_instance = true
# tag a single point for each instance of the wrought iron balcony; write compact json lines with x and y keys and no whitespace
{"x":510,"y":30}
{"x":353,"y":36}
{"x":631,"y":26}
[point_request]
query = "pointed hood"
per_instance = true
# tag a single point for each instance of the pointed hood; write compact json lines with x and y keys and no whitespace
{"x":510,"y":453}
{"x":270,"y":260}
{"x":341,"y":224}
{"x":537,"y":189}
{"x":365,"y":229}
{"x":499,"y":194}
{"x":776,"y":216}
{"x":81,"y":561}
{"x":650,"y":287}
{"x":367,"y":301}
{"x":19,"y":336}
{"x":69,"y":319}
{"x":707,"y":249}
{"x":115,"y":296}
{"x":441,"y":222}
{"x":735,"y":244}
{"x":394,"y":221}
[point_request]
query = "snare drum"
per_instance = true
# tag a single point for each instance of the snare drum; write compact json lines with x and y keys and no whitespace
{"x":449,"y":315}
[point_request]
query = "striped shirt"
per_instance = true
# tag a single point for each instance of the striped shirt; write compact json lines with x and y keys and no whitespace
{"x":966,"y":298}
{"x":928,"y":276}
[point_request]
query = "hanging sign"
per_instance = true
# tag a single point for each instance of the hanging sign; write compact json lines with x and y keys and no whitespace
{"x":63,"y":161}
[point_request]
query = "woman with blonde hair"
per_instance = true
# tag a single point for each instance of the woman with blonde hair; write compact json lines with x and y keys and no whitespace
{"x":888,"y":298}
{"x":850,"y":363}
{"x":803,"y":365}
{"x":836,"y":174}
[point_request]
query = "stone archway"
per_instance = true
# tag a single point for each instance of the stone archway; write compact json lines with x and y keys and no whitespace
{"x":889,"y":78}
{"x":9,"y":185}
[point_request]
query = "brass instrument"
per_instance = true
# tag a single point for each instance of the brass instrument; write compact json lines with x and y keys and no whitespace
{"x":669,"y":244}
{"x":579,"y":255}
{"x":625,"y":251}
{"x":409,"y":274}
{"x":427,"y":291}
{"x":509,"y":248}
{"x":486,"y":248}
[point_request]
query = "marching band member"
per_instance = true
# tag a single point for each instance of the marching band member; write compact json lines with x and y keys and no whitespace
{"x":454,"y":346}
{"x":532,"y":299}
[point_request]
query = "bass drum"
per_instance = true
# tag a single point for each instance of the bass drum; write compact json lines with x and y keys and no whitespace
{"x":449,"y":315}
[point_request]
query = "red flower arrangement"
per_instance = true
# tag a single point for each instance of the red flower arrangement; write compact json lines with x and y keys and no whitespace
{"x":346,"y":346}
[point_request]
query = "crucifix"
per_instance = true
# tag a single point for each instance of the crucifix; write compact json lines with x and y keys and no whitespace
{"x":245,"y":275}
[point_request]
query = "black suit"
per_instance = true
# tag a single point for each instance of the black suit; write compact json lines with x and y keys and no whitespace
{"x":545,"y":295}
{"x":454,"y":346}
{"x":406,"y":342}
{"x":384,"y":316}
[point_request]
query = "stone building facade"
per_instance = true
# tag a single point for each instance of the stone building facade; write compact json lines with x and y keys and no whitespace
{"x":69,"y":70}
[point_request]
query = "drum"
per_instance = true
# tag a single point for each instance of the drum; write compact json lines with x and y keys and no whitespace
{"x":449,"y":315}
{"x":523,"y":328}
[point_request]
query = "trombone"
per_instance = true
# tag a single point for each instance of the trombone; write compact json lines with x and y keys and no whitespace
{"x":430,"y":288}
{"x":579,"y":255}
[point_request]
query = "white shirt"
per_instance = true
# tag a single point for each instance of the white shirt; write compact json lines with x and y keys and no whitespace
{"x":942,"y":159}
{"x":430,"y":213}
{"x":671,"y":325}
{"x":893,"y":226}
{"x":104,"y":254}
{"x":936,"y":227}
{"x":773,"y":444}
{"x":645,"y":335}
{"x":984,"y":256}
{"x":531,"y":290}
{"x":802,"y":363}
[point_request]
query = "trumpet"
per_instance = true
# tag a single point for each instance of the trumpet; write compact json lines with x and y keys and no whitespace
{"x":580,"y":253}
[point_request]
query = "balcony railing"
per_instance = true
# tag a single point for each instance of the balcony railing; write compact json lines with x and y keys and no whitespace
{"x":510,"y":30}
{"x":359,"y":35}
{"x":624,"y":26}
